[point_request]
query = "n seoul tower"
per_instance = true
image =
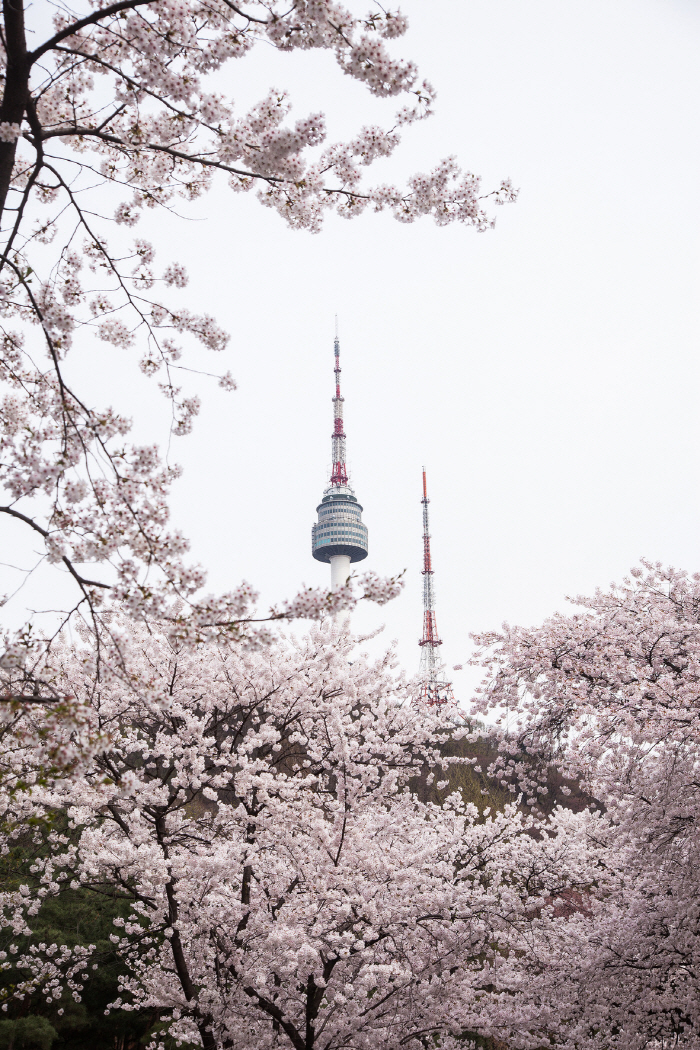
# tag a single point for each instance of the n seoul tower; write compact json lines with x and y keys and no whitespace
{"x":434,"y":688}
{"x":339,"y":536}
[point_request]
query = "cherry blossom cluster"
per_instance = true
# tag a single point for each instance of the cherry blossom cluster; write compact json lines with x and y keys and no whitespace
{"x":313,"y":603}
{"x":611,"y":694}
{"x":50,"y":970}
{"x":284,"y":879}
{"x":258,"y":805}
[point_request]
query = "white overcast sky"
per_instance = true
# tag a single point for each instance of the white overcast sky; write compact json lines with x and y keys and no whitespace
{"x":546,"y":373}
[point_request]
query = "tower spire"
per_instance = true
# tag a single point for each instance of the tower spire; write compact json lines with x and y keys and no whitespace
{"x":339,"y":473}
{"x":434,"y":689}
{"x":339,"y":537}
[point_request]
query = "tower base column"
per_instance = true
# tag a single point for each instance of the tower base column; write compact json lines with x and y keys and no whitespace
{"x":340,"y":570}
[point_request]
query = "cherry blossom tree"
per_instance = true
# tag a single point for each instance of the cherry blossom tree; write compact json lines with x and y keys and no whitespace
{"x":611,"y":694}
{"x":287,"y":887}
{"x":109,"y":109}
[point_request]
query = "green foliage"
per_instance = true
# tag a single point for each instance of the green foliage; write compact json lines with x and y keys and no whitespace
{"x":73,"y":917}
{"x":475,"y":786}
{"x":26,"y":1032}
{"x":472,"y":783}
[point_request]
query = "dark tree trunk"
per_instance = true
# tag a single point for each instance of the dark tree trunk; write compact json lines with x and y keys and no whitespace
{"x":14,"y":99}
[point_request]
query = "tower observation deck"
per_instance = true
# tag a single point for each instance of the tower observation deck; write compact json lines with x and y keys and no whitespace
{"x":339,"y":537}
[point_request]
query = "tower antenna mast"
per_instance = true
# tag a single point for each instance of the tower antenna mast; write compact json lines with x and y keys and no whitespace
{"x":339,"y":473}
{"x":434,"y":689}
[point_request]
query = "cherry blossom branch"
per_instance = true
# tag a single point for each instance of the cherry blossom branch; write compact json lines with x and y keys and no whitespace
{"x":99,"y":15}
{"x":82,"y":581}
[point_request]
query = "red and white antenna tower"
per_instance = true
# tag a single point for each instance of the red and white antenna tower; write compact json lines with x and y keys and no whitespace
{"x":434,"y":688}
{"x":339,"y":473}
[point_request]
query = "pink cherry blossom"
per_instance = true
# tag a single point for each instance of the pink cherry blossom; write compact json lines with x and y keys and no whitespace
{"x":285,"y":882}
{"x":610,"y":693}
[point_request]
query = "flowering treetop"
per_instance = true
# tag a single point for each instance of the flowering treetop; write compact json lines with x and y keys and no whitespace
{"x":611,"y":694}
{"x":286,"y":886}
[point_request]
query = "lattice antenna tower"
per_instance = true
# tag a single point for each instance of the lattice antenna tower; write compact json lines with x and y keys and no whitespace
{"x":434,"y":688}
